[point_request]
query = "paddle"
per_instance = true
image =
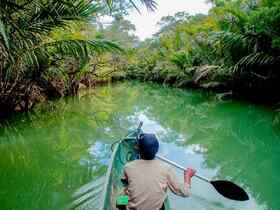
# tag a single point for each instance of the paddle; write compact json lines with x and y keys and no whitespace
{"x":225,"y":188}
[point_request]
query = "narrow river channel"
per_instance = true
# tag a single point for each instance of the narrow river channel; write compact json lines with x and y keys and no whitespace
{"x":62,"y":147}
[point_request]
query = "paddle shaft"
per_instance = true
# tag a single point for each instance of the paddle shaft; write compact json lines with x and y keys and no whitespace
{"x":180,"y":167}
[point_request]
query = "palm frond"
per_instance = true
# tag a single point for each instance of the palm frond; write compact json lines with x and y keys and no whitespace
{"x":232,"y":46}
{"x":109,"y":3}
{"x":256,"y":60}
{"x":9,"y":6}
{"x":73,"y":48}
{"x":82,"y":48}
{"x":58,"y":14}
{"x":230,"y":40}
{"x":4,"y":34}
{"x":150,"y":4}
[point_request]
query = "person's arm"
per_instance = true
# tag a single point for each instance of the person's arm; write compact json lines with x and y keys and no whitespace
{"x":178,"y":188}
{"x":124,"y":181}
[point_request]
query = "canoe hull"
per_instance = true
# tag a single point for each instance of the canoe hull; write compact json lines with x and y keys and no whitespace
{"x":123,"y":152}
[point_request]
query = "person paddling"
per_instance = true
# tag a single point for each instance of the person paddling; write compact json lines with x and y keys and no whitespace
{"x":148,"y":178}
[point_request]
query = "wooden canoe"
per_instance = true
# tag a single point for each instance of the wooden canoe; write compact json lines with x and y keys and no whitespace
{"x":123,"y":152}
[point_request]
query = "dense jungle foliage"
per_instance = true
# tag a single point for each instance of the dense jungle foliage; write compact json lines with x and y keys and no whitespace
{"x":235,"y":48}
{"x":51,"y":48}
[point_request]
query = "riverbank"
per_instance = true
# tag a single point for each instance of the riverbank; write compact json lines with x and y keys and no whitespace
{"x":209,"y":78}
{"x":44,"y":91}
{"x":28,"y":94}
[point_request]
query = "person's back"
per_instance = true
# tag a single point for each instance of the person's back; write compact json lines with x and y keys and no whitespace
{"x":147,"y":184}
{"x":148,"y":180}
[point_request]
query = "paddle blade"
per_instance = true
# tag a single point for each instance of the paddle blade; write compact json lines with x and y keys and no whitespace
{"x":230,"y":190}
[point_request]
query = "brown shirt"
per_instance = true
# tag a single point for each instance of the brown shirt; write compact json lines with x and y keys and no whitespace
{"x":148,"y":181}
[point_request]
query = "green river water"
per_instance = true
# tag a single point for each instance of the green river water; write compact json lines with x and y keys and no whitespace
{"x":62,"y":148}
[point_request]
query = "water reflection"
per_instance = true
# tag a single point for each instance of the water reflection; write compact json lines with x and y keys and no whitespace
{"x":58,"y":155}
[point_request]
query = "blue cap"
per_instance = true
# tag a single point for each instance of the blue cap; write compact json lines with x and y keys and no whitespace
{"x":148,"y":145}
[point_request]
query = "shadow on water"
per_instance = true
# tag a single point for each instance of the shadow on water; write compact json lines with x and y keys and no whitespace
{"x":57,"y":156}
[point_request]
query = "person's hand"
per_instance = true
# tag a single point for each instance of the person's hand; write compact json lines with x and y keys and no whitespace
{"x":188,"y":174}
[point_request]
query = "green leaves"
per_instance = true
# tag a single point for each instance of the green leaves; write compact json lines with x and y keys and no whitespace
{"x":150,"y":4}
{"x":30,"y":51}
{"x":256,"y":60}
{"x":240,"y":38}
{"x":81,"y":48}
{"x":4,"y":34}
{"x":45,"y":17}
{"x":31,"y":22}
{"x":109,"y":3}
